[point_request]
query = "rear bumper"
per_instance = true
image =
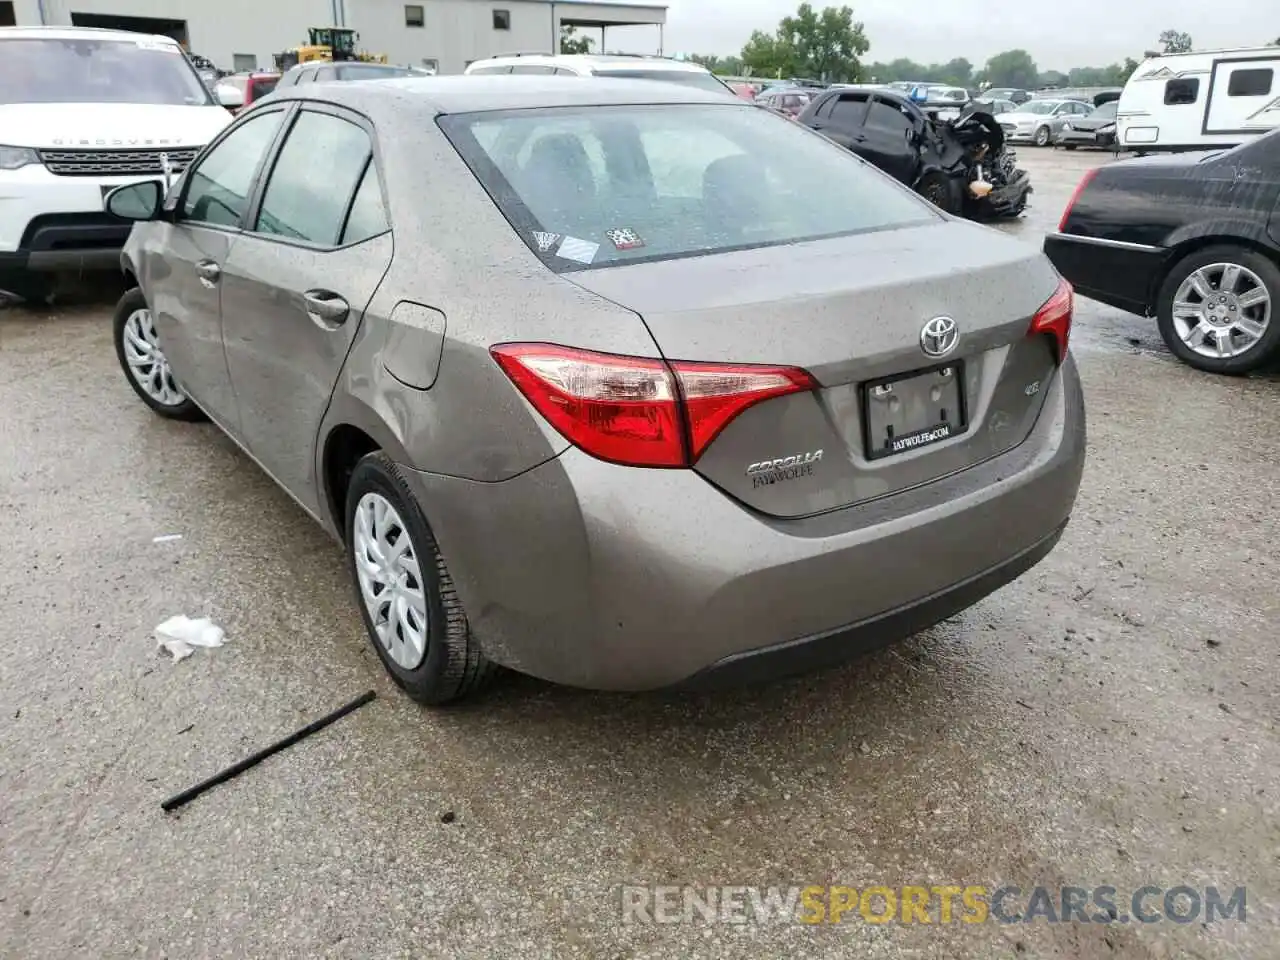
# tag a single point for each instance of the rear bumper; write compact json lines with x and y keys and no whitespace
{"x":1123,"y":275}
{"x":609,"y":577}
{"x":1085,"y":138}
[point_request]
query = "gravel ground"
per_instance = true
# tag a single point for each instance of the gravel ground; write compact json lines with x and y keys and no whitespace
{"x":1108,"y":719}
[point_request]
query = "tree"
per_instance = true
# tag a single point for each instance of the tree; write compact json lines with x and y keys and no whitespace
{"x":1013,"y":68}
{"x":725,"y":66}
{"x":1175,"y":42}
{"x":823,"y":45}
{"x":766,"y":56}
{"x":570,"y":42}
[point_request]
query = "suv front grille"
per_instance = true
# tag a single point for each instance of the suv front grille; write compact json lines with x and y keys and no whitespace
{"x":114,"y":163}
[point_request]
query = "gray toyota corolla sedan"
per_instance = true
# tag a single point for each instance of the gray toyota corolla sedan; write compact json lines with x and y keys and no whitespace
{"x":593,"y":382}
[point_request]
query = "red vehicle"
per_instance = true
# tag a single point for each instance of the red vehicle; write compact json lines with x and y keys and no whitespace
{"x":747,"y":91}
{"x":239,"y":90}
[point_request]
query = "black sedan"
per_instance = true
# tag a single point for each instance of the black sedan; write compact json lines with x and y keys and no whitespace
{"x":1192,"y":239}
{"x":962,"y":164}
{"x":1098,"y":129}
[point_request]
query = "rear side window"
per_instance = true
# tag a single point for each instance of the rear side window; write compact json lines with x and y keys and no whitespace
{"x":1249,"y":83}
{"x":218,"y":189}
{"x":533,"y":68}
{"x":368,"y":216}
{"x":1182,"y":90}
{"x":502,"y":68}
{"x":314,"y":179}
{"x":595,"y":186}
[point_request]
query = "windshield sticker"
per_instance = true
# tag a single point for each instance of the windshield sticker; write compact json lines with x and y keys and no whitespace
{"x":150,"y":43}
{"x":625,"y":239}
{"x":545,"y":241}
{"x":580,"y":251}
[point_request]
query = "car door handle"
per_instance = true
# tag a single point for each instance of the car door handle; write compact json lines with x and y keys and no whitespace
{"x":326,"y":308}
{"x":208,"y":272}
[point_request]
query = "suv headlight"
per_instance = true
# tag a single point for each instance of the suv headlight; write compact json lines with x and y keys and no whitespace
{"x":11,"y":158}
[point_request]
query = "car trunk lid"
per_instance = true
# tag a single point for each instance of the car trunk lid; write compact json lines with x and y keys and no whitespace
{"x":852,"y":311}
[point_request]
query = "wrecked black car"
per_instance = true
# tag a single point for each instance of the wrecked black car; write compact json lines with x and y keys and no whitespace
{"x":959,"y":162}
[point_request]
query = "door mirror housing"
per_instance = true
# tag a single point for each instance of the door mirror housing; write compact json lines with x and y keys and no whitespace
{"x":229,"y":95}
{"x":136,"y":201}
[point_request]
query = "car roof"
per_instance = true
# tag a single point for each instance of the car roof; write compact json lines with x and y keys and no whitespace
{"x":595,"y":61}
{"x":486,"y":92}
{"x":80,"y":33}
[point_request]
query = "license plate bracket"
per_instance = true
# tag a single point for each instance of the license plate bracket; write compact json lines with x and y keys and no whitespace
{"x":912,"y":410}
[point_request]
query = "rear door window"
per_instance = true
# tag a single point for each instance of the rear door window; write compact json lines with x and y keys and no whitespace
{"x":1250,"y":83}
{"x":314,"y":179}
{"x":849,"y":113}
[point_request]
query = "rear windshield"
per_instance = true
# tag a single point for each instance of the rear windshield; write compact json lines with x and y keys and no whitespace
{"x":686,"y":78}
{"x":97,"y":71}
{"x":597,"y":186}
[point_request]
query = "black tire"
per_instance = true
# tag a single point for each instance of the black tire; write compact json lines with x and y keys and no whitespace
{"x":937,"y":189}
{"x":132,"y":301}
{"x":1261,"y":353}
{"x":1043,"y":137}
{"x":454,"y":666}
{"x":1069,"y":146}
{"x":35,"y":289}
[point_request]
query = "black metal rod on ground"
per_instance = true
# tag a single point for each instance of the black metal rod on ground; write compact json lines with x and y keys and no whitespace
{"x":178,"y":799}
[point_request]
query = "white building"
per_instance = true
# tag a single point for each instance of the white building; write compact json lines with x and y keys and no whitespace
{"x":448,"y":34}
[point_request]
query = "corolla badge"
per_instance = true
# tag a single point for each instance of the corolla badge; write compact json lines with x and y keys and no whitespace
{"x":767,"y":472}
{"x":939,"y":337}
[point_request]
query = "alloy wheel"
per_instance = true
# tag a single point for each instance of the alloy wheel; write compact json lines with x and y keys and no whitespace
{"x":390,"y":580}
{"x":147,"y":362}
{"x":1221,"y":310}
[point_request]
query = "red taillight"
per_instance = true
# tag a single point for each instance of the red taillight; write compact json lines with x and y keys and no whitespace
{"x":1054,"y":318}
{"x":1075,"y":195}
{"x":639,"y":411}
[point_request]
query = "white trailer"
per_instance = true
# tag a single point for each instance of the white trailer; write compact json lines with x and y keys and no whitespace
{"x":1202,"y":100}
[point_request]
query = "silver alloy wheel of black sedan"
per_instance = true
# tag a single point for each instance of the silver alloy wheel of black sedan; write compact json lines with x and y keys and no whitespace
{"x":1221,"y":310}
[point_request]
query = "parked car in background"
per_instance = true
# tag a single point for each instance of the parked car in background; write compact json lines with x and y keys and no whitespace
{"x":1012,"y":94}
{"x":618,"y":66}
{"x":996,"y":107}
{"x":1097,"y":129}
{"x":743,"y":90}
{"x":940,"y":159}
{"x":534,"y":485}
{"x":790,"y":102}
{"x":323,"y":71}
{"x":82,"y":111}
{"x":1192,"y":239}
{"x":240,"y":90}
{"x":1040,"y":121}
{"x":205,"y":69}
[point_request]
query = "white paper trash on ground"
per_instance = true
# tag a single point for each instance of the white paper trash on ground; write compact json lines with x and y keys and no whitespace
{"x":181,"y":635}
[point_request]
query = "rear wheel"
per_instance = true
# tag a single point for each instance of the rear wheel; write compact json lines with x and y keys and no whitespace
{"x":143,"y":360}
{"x":1069,"y":146}
{"x":1043,"y":136}
{"x":1217,"y":310}
{"x":411,"y":612}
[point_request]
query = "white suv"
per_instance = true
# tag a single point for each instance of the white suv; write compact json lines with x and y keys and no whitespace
{"x":83,"y":111}
{"x":612,"y":65}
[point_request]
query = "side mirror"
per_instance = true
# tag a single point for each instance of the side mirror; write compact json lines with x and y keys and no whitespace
{"x":229,"y":95}
{"x":136,"y":201}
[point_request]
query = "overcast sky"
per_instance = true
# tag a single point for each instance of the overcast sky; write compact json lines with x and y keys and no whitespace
{"x":1059,"y":35}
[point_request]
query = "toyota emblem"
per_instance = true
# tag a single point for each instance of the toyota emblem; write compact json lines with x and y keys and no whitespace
{"x":939,"y":337}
